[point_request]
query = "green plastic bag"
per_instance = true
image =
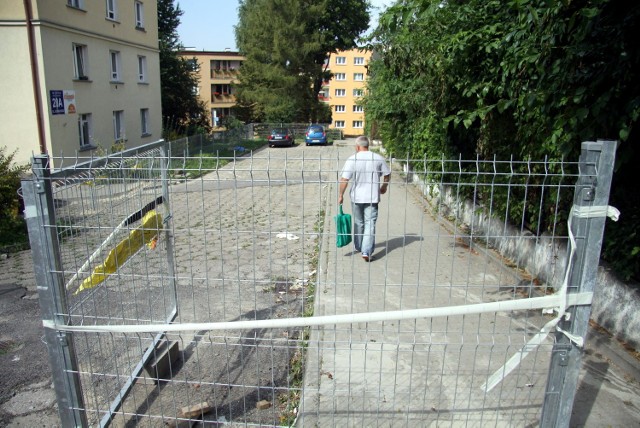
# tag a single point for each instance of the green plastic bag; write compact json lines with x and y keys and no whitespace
{"x":343,"y":228}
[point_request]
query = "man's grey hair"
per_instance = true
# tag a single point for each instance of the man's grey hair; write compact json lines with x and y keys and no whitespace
{"x":362,"y":141}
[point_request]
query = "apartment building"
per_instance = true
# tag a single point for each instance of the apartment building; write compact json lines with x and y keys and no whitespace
{"x":345,"y":89}
{"x":78,"y":75}
{"x":217,"y":74}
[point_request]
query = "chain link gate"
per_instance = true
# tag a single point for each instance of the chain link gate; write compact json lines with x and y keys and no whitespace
{"x":179,"y":287}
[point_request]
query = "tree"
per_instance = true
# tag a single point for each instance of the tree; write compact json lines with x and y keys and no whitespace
{"x":182,"y":111}
{"x":524,"y":77}
{"x":286,"y":43}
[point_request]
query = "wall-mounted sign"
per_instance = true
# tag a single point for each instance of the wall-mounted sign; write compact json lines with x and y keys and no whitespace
{"x":56,"y":99}
{"x":70,"y":102}
{"x":62,"y":102}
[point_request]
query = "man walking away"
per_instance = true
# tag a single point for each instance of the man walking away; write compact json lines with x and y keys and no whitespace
{"x":365,"y":168}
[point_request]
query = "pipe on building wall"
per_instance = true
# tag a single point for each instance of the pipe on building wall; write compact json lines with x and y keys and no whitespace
{"x":35,"y":76}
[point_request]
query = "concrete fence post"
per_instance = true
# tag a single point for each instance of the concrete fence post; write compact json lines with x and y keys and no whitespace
{"x":592,"y":190}
{"x":39,"y":214}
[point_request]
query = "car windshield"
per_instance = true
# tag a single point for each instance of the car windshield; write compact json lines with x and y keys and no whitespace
{"x":314,"y":129}
{"x":279,"y":131}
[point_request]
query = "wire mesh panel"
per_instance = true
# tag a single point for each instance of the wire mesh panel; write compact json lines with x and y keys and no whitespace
{"x":239,"y":308}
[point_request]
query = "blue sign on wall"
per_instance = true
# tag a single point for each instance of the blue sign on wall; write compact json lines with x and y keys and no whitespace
{"x":57,"y":102}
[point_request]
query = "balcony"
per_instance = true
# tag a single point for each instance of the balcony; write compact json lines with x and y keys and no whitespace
{"x":224,"y":73}
{"x":222,"y":98}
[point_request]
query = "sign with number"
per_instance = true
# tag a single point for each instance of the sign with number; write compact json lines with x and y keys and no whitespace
{"x":57,"y":102}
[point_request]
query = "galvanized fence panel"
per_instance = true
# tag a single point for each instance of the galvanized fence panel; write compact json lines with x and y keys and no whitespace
{"x":265,"y":322}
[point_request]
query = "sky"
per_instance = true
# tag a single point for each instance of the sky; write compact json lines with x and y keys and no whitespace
{"x":208,"y":24}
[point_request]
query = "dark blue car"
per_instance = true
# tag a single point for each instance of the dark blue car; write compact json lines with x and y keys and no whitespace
{"x":315,"y":134}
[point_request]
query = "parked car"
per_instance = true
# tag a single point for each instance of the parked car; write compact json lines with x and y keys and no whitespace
{"x":315,"y":134}
{"x":281,"y":137}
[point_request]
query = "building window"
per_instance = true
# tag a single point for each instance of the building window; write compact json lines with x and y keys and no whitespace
{"x":80,"y":62}
{"x":357,"y":92}
{"x":221,"y":89}
{"x":84,"y":130}
{"x":340,"y":109}
{"x":115,"y":66}
{"x":358,"y":77}
{"x":221,"y":65}
{"x":118,"y":126}
{"x":341,"y":92}
{"x":78,"y":4}
{"x":341,"y":60}
{"x":112,"y":9}
{"x":341,"y":76}
{"x":142,"y":69}
{"x":144,"y":121}
{"x":339,"y":123}
{"x":358,"y":109}
{"x":357,"y":124}
{"x":139,"y":10}
{"x":359,"y":60}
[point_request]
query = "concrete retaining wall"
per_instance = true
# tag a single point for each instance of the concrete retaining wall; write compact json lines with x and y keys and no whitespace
{"x":616,"y":305}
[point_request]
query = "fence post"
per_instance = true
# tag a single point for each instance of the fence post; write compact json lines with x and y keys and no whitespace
{"x":592,"y":189}
{"x":40,"y":217}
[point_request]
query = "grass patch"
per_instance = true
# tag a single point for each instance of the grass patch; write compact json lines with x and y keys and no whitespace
{"x":289,"y":402}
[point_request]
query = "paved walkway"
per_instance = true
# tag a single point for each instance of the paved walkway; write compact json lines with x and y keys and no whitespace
{"x":429,"y":372}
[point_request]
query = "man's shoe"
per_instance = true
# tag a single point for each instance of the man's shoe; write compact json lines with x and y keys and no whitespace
{"x":365,"y":257}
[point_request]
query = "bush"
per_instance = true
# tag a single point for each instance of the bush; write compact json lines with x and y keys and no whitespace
{"x":13,"y":229}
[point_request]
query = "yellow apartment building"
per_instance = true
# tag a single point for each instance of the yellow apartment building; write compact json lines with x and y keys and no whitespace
{"x":345,"y":89}
{"x":78,"y":75}
{"x":217,"y":74}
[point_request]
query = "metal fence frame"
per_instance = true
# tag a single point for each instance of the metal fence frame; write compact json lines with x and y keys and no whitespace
{"x":38,"y":195}
{"x":592,"y":190}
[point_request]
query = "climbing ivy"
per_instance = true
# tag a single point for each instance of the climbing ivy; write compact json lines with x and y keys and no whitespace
{"x":525,"y":78}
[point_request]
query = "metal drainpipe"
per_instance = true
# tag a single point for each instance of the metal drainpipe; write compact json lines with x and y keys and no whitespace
{"x":35,"y":77}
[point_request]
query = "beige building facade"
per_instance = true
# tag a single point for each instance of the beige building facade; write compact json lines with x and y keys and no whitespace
{"x":344,"y":91}
{"x":217,"y":74}
{"x":86,"y":79}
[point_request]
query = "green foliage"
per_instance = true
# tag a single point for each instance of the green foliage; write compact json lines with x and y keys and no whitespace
{"x":13,"y":228}
{"x":528,"y":78}
{"x":285,"y":43}
{"x":182,"y":111}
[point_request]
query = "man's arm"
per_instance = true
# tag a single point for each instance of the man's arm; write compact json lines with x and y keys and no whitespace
{"x":343,"y":186}
{"x":385,"y":182}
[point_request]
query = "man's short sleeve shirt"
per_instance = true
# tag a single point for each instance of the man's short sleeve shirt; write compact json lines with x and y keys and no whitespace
{"x":365,"y":169}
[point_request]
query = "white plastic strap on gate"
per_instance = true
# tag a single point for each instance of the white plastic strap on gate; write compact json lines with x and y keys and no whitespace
{"x":596,"y":211}
{"x":565,"y":300}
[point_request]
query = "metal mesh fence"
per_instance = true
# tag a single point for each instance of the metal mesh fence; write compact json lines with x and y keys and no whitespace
{"x":252,"y":238}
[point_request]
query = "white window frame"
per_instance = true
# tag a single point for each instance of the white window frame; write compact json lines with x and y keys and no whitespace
{"x":358,"y":109}
{"x":115,"y":66}
{"x":341,"y":76}
{"x":144,"y":122}
{"x":78,"y":4}
{"x":80,"y":63}
{"x":111,"y":9}
{"x":341,"y":60}
{"x":142,"y":69}
{"x":359,"y":60}
{"x":340,"y":109}
{"x":357,"y":92}
{"x":339,"y":123}
{"x":84,"y":130}
{"x":138,"y":8}
{"x":358,"y":124}
{"x":358,"y":77}
{"x":341,"y":92}
{"x":118,"y":126}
